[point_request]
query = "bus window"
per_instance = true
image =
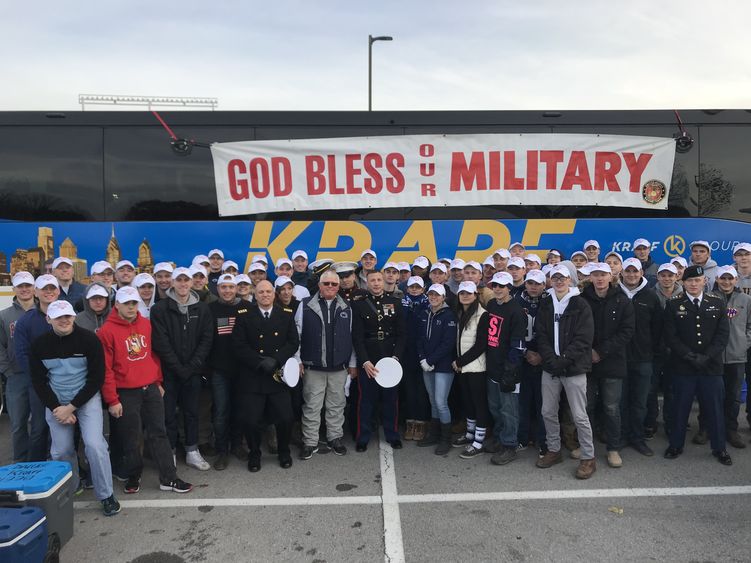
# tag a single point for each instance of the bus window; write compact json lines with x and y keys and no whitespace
{"x":724,"y":173}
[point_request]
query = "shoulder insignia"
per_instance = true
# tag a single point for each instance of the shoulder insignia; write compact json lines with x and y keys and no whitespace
{"x":242,"y":311}
{"x":288,"y":310}
{"x":679,"y":296}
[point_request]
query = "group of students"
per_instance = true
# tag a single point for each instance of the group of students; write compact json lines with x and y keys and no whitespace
{"x":541,"y":354}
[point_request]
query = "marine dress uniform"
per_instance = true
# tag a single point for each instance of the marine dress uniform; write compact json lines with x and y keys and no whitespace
{"x":696,"y":330}
{"x":262,"y":345}
{"x":378,"y":331}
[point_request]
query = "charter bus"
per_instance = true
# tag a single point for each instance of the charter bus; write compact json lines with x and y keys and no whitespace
{"x":102,"y":185}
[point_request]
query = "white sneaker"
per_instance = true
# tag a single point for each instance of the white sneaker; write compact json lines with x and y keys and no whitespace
{"x":195,"y":460}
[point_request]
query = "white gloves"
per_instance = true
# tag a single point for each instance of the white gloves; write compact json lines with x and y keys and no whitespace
{"x":346,"y":386}
{"x":425,"y":365}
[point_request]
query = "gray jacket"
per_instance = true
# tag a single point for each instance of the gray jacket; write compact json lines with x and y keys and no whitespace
{"x":8,"y":318}
{"x":87,"y":318}
{"x":677,"y":290}
{"x":739,"y":315}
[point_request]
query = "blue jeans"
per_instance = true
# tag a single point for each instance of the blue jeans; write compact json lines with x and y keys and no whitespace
{"x":91,"y":423}
{"x":634,"y":401}
{"x":607,"y":391}
{"x":23,"y":403}
{"x":438,"y":385}
{"x":530,"y":405}
{"x":221,"y":387}
{"x":505,"y":410}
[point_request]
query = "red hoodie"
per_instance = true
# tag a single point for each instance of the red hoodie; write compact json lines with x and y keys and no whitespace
{"x":129,"y":359}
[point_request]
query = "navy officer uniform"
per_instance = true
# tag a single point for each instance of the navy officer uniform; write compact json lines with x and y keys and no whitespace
{"x":378,"y":331}
{"x":696,"y":330}
{"x":262,"y":345}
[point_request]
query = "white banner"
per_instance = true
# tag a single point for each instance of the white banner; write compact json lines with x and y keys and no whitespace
{"x":442,"y":170}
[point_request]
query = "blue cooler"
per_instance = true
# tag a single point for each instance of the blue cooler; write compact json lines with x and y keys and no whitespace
{"x":23,"y":535}
{"x":46,"y":485}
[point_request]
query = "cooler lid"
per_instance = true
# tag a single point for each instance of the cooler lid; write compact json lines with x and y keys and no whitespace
{"x":33,"y":478}
{"x":15,"y":521}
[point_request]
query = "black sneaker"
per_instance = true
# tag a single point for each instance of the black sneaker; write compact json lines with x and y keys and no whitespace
{"x":176,"y":486}
{"x":649,"y":432}
{"x":110,"y":506}
{"x":79,"y":490}
{"x":503,"y":456}
{"x":132,"y":486}
{"x":672,"y":453}
{"x":643,"y":449}
{"x":306,"y":452}
{"x":337,"y":447}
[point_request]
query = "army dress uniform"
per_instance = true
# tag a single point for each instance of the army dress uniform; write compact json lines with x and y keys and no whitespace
{"x":696,"y":330}
{"x":262,"y":345}
{"x":378,"y":331}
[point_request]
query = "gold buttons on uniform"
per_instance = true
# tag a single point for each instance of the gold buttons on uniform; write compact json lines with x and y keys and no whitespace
{"x":261,"y":336}
{"x":699,"y":342}
{"x":276,"y":334}
{"x":261,"y":351}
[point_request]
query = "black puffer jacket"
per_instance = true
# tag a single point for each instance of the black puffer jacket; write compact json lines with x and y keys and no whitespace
{"x":614,"y":323}
{"x":576,"y":330}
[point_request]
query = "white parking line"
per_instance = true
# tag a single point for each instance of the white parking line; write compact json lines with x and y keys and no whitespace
{"x":392,"y":522}
{"x":396,"y":499}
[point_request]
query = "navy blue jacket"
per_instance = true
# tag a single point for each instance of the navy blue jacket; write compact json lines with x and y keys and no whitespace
{"x":313,"y":342}
{"x":414,"y":307}
{"x":436,"y":338}
{"x":76,"y":293}
{"x":32,"y":324}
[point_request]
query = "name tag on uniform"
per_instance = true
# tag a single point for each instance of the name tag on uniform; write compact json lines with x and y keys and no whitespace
{"x":388,"y":309}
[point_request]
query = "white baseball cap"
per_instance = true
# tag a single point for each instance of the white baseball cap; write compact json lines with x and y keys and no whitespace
{"x":536,"y":276}
{"x":502,"y":278}
{"x":200,"y":259}
{"x":586,"y":269}
{"x":143,"y":279}
{"x":163,"y":267}
{"x":281,"y":280}
{"x":468,"y":287}
{"x":561,"y":270}
{"x":439,"y":266}
{"x":503,"y":253}
{"x":101,"y":266}
{"x":437,"y":288}
{"x":516,"y":261}
{"x":196,"y":269}
{"x":299,"y":254}
{"x":554,"y":252}
{"x":229,"y":264}
{"x":614,"y":253}
{"x":217,"y":252}
{"x":446,"y":261}
{"x":473,"y":264}
{"x":261,"y":258}
{"x":579,"y":253}
{"x":368,"y":251}
{"x":21,"y":278}
{"x":283,"y":261}
{"x":242,"y":278}
{"x":44,"y":280}
{"x":457,"y":264}
{"x":545,"y":269}
{"x":97,"y":290}
{"x":642,"y":242}
{"x":532,"y":258}
{"x":124,"y":263}
{"x":667,"y":267}
{"x":599,"y":267}
{"x":742,"y":246}
{"x":724,"y":270}
{"x":257,"y":267}
{"x":390,"y":265}
{"x":226,"y":279}
{"x":416,"y":280}
{"x":591,"y":242}
{"x":681,"y":260}
{"x":404,"y":267}
{"x":61,"y":260}
{"x":60,"y":308}
{"x":489,"y":262}
{"x":513,"y":244}
{"x":632,"y":263}
{"x":703,"y":243}
{"x":421,"y":262}
{"x":127,"y":294}
{"x":177,"y":272}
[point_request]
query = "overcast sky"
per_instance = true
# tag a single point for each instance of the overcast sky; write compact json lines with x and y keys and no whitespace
{"x":284,"y":55}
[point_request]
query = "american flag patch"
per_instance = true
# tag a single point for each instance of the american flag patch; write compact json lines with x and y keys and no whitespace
{"x":225,"y":325}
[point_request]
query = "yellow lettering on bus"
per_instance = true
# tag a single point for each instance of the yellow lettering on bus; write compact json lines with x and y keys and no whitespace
{"x":334,"y":230}
{"x":419,"y":234}
{"x":472,"y":230}
{"x":537,"y":227}
{"x":260,"y":240}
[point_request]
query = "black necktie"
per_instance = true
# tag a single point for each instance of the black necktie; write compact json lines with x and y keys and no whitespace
{"x":696,"y":302}
{"x":266,"y":314}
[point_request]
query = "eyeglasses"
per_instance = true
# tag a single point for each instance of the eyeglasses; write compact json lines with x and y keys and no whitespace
{"x":329,"y":284}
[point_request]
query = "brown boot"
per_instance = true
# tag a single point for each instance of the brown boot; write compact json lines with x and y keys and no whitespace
{"x":410,"y":433}
{"x":586,"y":468}
{"x":419,"y":430}
{"x":549,"y":460}
{"x":735,"y":440}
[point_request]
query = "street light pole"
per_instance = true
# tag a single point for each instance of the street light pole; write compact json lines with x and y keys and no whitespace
{"x":372,"y":40}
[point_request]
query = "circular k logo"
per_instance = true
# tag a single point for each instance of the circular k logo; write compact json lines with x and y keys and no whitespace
{"x":674,"y":245}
